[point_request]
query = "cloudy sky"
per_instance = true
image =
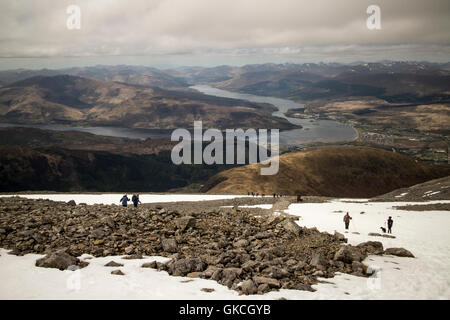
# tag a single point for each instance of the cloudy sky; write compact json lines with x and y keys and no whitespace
{"x":164,"y":33}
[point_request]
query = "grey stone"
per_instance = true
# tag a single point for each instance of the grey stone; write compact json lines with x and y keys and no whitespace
{"x":151,"y":264}
{"x":113,"y":264}
{"x":185,"y":222}
{"x":399,"y":252}
{"x":59,"y":260}
{"x":248,"y":287}
{"x":117,"y":272}
{"x":71,"y":203}
{"x":318,"y":259}
{"x":348,"y":254}
{"x":272,"y":283}
{"x":291,"y":226}
{"x":371,"y":247}
{"x":241,"y":243}
{"x":182,"y":267}
{"x":169,"y":245}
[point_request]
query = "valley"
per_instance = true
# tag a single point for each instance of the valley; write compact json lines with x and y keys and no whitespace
{"x":392,"y":107}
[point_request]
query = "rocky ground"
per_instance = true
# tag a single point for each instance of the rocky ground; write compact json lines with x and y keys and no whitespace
{"x":425,"y":207}
{"x":248,"y":250}
{"x":437,"y":189}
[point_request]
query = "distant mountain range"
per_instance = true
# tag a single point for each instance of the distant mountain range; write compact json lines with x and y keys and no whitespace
{"x":135,"y":75}
{"x":138,"y":96}
{"x":394,"y":82}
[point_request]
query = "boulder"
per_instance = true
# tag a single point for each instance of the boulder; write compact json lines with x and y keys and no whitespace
{"x":340,"y":236}
{"x":276,"y":272}
{"x":274,"y":220}
{"x":59,"y":260}
{"x":348,"y":254}
{"x":241,"y":243}
{"x":71,"y":203}
{"x":185,"y":222}
{"x":263,"y":288}
{"x":98,"y":233}
{"x":318,"y":259}
{"x":182,"y":267}
{"x":272,"y":283}
{"x":129,"y":249}
{"x":371,"y":247}
{"x":113,"y":264}
{"x":169,"y":245}
{"x":248,"y":287}
{"x":117,"y":273}
{"x":399,"y":252}
{"x":291,"y":226}
{"x":358,"y":268}
{"x":151,"y":264}
{"x":230,"y":274}
{"x":210,"y":271}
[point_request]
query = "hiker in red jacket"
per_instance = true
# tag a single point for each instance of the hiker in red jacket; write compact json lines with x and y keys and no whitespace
{"x":347,"y":219}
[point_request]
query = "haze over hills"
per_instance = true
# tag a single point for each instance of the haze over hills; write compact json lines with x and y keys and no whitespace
{"x":329,"y":171}
{"x":86,"y":101}
{"x":136,"y":75}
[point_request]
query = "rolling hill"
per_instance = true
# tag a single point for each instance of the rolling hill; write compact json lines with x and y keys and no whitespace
{"x":329,"y":171}
{"x":76,"y":100}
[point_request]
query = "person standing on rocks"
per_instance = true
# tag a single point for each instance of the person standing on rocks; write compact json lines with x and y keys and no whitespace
{"x":125,"y":200}
{"x":135,"y":200}
{"x":390,"y":222}
{"x":347,"y":219}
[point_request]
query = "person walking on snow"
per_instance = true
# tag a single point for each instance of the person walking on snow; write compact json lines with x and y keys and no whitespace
{"x":390,"y":222}
{"x":125,"y":200}
{"x":347,"y":219}
{"x":135,"y":200}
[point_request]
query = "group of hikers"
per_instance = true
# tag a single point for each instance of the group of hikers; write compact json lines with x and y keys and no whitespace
{"x":256,"y":194}
{"x":134,"y":199}
{"x":390,"y":223}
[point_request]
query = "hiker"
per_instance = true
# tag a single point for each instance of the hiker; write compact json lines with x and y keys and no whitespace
{"x":299,"y":198}
{"x":390,"y":222}
{"x":347,"y":219}
{"x":125,"y":200}
{"x":135,"y":200}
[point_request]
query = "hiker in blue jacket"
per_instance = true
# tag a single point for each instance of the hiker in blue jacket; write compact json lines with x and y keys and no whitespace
{"x":390,"y":223}
{"x":135,"y":200}
{"x":124,"y":200}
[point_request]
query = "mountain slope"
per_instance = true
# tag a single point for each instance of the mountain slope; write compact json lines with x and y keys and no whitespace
{"x":63,"y":170}
{"x":86,"y":101}
{"x":329,"y":171}
{"x":436,"y":189}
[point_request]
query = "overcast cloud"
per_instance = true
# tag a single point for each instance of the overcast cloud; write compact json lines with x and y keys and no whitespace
{"x":209,"y":32}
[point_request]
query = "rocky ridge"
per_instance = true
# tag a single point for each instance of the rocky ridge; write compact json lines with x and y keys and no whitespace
{"x":250,"y":253}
